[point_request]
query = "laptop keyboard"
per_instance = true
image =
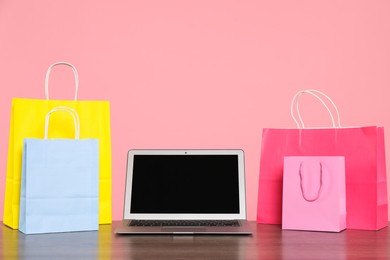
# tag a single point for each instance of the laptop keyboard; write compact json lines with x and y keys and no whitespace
{"x":185,"y":223}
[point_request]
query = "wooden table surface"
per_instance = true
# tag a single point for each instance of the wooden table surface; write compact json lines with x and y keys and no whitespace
{"x":267,"y":242}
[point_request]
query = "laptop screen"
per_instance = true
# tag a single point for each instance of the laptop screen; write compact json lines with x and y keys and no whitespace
{"x":185,"y":184}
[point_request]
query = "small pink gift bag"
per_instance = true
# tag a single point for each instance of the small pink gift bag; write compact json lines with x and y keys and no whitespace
{"x":314,"y":196}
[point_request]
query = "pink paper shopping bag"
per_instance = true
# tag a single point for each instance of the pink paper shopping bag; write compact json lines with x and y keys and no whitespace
{"x":314,"y":193}
{"x":365,"y":166}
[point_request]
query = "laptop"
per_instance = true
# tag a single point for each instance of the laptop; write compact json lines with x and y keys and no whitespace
{"x":185,"y":192}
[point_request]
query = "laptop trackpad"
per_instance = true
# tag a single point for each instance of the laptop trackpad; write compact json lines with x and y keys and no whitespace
{"x":183,"y":229}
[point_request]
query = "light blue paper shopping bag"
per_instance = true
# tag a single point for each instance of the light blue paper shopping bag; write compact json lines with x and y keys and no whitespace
{"x":60,"y":180}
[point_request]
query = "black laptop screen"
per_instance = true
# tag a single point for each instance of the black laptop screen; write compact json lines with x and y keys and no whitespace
{"x":185,"y":184}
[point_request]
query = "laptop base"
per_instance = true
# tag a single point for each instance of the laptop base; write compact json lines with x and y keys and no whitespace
{"x":124,"y":229}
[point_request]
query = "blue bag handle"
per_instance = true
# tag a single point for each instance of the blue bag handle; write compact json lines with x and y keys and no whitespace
{"x":72,"y":112}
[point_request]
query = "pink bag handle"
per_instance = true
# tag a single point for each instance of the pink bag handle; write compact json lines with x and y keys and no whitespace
{"x":303,"y":190}
{"x":76,"y":77}
{"x":314,"y":93}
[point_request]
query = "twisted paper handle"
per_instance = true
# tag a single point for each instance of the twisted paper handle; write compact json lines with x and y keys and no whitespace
{"x":72,"y":112}
{"x":303,"y":190}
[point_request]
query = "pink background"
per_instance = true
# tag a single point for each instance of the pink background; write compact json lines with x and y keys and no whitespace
{"x":199,"y":73}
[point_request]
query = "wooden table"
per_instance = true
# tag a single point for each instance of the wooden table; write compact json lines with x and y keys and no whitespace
{"x":267,"y":242}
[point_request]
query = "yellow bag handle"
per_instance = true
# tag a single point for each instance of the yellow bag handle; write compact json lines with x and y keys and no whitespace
{"x":76,"y":76}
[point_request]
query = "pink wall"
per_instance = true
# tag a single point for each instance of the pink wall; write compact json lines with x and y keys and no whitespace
{"x":198,"y":73}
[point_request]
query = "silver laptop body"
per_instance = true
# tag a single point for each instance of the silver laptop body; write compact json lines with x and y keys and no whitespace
{"x":185,"y":192}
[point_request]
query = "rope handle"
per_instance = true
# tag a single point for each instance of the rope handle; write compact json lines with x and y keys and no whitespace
{"x":74,"y":115}
{"x":313,"y":92}
{"x":302,"y":188}
{"x":76,"y":76}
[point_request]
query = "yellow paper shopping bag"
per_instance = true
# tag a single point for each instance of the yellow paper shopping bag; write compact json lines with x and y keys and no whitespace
{"x":26,"y":122}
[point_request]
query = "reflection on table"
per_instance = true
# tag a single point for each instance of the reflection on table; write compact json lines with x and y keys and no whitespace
{"x":267,"y":242}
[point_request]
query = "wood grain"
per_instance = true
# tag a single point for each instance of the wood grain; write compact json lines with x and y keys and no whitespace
{"x":267,"y":242}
